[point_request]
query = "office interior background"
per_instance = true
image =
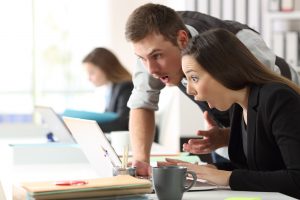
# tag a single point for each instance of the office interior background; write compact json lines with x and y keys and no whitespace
{"x":43,"y":42}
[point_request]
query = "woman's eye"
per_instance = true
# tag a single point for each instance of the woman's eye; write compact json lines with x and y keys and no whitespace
{"x":194,"y":79}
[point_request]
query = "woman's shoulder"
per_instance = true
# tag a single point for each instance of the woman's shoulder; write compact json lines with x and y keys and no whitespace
{"x":124,"y":84}
{"x":273,"y":86}
{"x":273,"y":90}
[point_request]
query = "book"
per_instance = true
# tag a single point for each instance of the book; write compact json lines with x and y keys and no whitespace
{"x":274,"y":5}
{"x":254,"y":14}
{"x":183,"y":157}
{"x":287,"y":5}
{"x":241,"y":11}
{"x":291,"y":49}
{"x":203,"y":6}
{"x":228,"y":12}
{"x":101,"y":187}
{"x":278,"y":44}
{"x":215,"y":8}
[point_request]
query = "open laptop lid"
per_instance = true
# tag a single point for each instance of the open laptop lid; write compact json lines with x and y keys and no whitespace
{"x":94,"y":144}
{"x":55,"y":124}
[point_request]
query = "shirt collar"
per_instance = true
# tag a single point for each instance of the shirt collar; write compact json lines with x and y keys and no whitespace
{"x":192,"y":30}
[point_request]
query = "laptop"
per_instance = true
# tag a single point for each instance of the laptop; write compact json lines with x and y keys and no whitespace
{"x":55,"y":124}
{"x":94,"y":144}
{"x":99,"y":151}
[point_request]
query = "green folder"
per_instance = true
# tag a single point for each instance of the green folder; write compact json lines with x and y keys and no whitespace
{"x":182,"y":156}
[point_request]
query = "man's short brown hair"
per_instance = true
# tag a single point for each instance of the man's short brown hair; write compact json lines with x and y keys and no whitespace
{"x":153,"y":18}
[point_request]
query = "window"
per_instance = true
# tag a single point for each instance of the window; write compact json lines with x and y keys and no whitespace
{"x":41,"y":49}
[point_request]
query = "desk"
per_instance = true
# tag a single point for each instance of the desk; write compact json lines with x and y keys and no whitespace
{"x":83,"y":170}
{"x":223,"y":194}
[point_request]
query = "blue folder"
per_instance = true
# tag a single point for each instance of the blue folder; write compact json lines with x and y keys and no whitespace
{"x":99,"y":117}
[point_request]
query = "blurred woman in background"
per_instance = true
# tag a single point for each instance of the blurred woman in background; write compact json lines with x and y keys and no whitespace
{"x":105,"y":69}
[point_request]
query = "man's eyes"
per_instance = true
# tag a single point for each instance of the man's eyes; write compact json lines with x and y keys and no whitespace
{"x":141,"y":58}
{"x":156,"y":56}
{"x":184,"y":82}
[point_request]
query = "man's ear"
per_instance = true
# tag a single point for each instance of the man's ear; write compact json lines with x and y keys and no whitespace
{"x":182,"y":38}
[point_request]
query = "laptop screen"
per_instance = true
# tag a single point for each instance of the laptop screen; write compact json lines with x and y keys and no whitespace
{"x":94,"y":144}
{"x":55,"y":124}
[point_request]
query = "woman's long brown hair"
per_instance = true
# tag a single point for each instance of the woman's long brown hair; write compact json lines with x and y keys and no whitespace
{"x":230,"y":62}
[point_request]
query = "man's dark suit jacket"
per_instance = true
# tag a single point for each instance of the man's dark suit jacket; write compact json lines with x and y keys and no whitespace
{"x":118,"y":103}
{"x":272,"y":162}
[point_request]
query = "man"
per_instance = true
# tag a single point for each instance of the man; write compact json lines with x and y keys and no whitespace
{"x":158,"y":34}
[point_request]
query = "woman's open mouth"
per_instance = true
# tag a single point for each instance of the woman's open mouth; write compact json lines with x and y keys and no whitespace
{"x":164,"y":79}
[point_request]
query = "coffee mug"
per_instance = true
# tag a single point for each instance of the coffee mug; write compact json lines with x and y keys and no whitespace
{"x":120,"y":140}
{"x":169,"y":182}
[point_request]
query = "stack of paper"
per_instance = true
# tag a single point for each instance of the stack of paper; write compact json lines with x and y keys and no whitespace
{"x":101,"y":187}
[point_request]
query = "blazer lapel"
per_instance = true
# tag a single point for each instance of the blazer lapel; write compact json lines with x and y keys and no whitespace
{"x":251,"y":126}
{"x":113,"y":99}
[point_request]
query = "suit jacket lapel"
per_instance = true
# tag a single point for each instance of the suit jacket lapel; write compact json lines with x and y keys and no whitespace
{"x":236,"y":152}
{"x":113,"y":98}
{"x":253,"y":103}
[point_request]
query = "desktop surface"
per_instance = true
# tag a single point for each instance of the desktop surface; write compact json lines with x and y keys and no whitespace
{"x":221,"y":194}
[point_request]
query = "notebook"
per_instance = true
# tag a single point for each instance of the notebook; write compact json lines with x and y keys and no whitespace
{"x":85,"y":189}
{"x":94,"y":144}
{"x":55,"y":124}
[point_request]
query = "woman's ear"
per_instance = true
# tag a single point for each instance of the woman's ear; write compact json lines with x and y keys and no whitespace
{"x":182,"y":39}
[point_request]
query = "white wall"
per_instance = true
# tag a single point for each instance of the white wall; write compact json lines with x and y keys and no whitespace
{"x":177,"y":117}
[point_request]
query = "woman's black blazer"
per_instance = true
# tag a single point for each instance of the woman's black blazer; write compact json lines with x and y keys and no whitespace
{"x":272,"y":162}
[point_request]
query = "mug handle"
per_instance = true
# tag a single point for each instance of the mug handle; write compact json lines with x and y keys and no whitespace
{"x":194,"y":180}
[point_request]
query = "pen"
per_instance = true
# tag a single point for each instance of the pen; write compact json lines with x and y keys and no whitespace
{"x":125,"y":157}
{"x":69,"y":183}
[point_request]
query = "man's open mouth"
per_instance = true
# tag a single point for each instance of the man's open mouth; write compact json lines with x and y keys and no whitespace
{"x":164,"y":79}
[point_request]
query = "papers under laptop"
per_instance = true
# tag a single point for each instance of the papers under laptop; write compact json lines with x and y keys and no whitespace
{"x":55,"y":124}
{"x":99,"y":151}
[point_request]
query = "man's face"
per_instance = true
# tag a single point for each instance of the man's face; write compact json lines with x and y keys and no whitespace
{"x":161,"y":58}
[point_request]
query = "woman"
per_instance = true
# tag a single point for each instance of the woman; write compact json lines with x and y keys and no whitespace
{"x":264,"y":144}
{"x":104,"y":68}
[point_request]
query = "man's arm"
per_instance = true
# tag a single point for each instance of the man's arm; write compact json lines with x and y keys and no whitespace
{"x":141,"y":126}
{"x":143,"y":102}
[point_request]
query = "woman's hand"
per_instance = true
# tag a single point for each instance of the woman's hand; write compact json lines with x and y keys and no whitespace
{"x":213,"y":138}
{"x":205,"y":172}
{"x":170,"y":162}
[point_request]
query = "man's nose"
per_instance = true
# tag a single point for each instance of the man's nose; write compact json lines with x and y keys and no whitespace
{"x":152,"y":67}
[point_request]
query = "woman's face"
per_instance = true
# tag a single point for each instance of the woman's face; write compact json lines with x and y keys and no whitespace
{"x":204,"y":87}
{"x":95,"y":74}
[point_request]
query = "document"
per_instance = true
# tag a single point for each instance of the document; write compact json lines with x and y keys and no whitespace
{"x":101,"y":187}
